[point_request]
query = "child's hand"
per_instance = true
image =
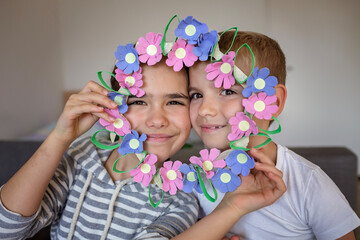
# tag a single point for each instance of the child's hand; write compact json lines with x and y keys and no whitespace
{"x":81,"y":112}
{"x":262,"y":187}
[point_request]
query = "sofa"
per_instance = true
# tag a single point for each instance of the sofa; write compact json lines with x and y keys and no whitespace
{"x":338,"y":162}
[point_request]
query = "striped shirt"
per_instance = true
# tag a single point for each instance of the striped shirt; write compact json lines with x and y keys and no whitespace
{"x":78,"y":204}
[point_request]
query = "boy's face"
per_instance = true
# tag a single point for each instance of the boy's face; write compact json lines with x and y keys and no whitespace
{"x":163,"y":112}
{"x":211,"y":108}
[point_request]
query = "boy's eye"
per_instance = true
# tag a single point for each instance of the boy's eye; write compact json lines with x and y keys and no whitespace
{"x":195,"y":96}
{"x":227,"y":92}
{"x":137,"y":102}
{"x":175,"y":103}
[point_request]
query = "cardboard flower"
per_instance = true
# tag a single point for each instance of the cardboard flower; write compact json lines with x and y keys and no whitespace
{"x":181,"y":53}
{"x":205,"y":45}
{"x":260,"y":105}
{"x":131,"y":82}
{"x":120,"y":100}
{"x":190,"y":29}
{"x":145,"y":171}
{"x":240,"y":162}
{"x":132,"y":143}
{"x":120,"y":126}
{"x":226,"y":181}
{"x":149,"y":49}
{"x":260,"y":81}
{"x":171,"y":176}
{"x":127,"y":58}
{"x":241,"y":125}
{"x":208,"y":161}
{"x":190,"y":179}
{"x":222,"y":71}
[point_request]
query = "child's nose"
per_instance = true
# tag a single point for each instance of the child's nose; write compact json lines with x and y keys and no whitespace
{"x":208,"y":107}
{"x":157,"y":118}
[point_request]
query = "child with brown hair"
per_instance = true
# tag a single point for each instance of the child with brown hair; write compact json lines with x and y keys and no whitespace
{"x":217,"y":115}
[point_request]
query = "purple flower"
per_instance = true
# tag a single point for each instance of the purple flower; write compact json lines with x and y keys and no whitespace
{"x":120,"y":100}
{"x":190,"y":179}
{"x":190,"y":30}
{"x":132,"y":143}
{"x":205,"y":45}
{"x":127,"y":57}
{"x":260,"y":81}
{"x":226,"y":181}
{"x":240,"y":162}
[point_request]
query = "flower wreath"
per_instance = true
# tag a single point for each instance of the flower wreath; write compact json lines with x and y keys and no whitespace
{"x":193,"y":42}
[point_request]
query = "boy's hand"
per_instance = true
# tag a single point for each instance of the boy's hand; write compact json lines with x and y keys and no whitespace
{"x":81,"y":112}
{"x":262,"y":187}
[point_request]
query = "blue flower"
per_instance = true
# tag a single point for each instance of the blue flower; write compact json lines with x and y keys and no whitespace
{"x":132,"y":143}
{"x":205,"y":45}
{"x":190,"y":179}
{"x":240,"y":162}
{"x":190,"y":30}
{"x":120,"y":100}
{"x":128,"y":59}
{"x":226,"y":181}
{"x":260,"y":81}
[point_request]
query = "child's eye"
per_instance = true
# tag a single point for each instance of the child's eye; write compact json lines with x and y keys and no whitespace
{"x":195,"y":96}
{"x":175,"y":103}
{"x":227,"y":92}
{"x":137,"y":102}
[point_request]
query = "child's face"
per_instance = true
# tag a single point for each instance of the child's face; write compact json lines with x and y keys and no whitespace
{"x":211,"y":108}
{"x":163,"y":112}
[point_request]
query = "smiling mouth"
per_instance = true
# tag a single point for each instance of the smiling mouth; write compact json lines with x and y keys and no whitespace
{"x":158,"y":138}
{"x":209,"y":129}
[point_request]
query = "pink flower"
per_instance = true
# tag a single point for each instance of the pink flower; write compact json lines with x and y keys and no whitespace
{"x":132,"y":82}
{"x":260,"y":105}
{"x":145,"y":171}
{"x":171,"y":176}
{"x":222,"y":71}
{"x":241,"y":124}
{"x":121,"y":126}
{"x":207,"y":161}
{"x":181,"y":53}
{"x":149,"y":49}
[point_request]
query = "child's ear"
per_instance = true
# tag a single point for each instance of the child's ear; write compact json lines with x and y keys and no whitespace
{"x":281,"y":94}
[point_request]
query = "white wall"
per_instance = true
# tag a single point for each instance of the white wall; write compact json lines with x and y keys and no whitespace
{"x":320,"y":39}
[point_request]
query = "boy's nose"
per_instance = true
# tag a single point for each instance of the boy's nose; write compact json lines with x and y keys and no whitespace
{"x":208,"y":108}
{"x":157,"y":118}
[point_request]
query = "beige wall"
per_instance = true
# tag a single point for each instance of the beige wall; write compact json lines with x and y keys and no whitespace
{"x":60,"y":45}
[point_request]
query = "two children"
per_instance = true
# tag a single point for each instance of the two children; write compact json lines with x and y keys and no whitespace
{"x":312,"y":207}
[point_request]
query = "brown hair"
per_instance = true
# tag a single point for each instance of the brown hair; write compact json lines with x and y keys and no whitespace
{"x":266,"y":50}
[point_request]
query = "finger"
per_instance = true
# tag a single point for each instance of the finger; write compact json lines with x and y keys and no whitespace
{"x":261,"y":156}
{"x":94,"y":87}
{"x":266,"y":168}
{"x":94,"y":98}
{"x":235,"y":238}
{"x":105,"y":116}
{"x":280,"y":187}
{"x":74,"y":112}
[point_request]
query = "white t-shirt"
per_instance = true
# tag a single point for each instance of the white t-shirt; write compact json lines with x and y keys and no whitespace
{"x":312,"y":207}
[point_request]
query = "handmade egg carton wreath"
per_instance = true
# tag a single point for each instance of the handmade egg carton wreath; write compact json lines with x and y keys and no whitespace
{"x":193,"y":42}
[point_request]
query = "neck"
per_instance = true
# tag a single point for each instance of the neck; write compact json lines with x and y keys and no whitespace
{"x":125,"y":163}
{"x":270,"y":149}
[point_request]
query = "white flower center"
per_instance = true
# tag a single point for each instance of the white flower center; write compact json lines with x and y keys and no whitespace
{"x":118,"y":123}
{"x":259,"y":106}
{"x":130,"y":80}
{"x":145,"y":168}
{"x":241,"y":158}
{"x":130,"y":58}
{"x":225,"y":177}
{"x":190,"y":30}
{"x":118,"y":100}
{"x":207,"y":165}
{"x":244,"y":125}
{"x":134,"y":143}
{"x":180,"y":53}
{"x":259,"y":83}
{"x":171,"y":174}
{"x":191,"y":177}
{"x":225,"y":68}
{"x":151,"y":50}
